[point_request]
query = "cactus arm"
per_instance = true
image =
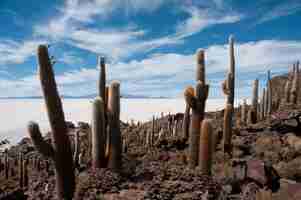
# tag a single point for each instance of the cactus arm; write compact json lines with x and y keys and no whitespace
{"x":40,"y":144}
{"x":190,"y":97}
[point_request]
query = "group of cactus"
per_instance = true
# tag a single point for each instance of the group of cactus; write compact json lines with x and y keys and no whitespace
{"x":200,"y":136}
{"x":105,"y":138}
{"x":9,"y":170}
{"x":198,"y":130}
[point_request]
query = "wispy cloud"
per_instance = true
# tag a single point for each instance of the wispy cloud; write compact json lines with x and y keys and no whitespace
{"x":119,"y":43}
{"x":12,"y":52}
{"x":167,"y":74}
{"x":71,"y":59}
{"x":280,"y":10}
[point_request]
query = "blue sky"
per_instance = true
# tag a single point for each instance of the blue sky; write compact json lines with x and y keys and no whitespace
{"x":150,"y":45}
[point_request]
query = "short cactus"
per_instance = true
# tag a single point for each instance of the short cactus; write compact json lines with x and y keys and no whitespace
{"x":98,"y":134}
{"x":262,"y":104}
{"x":244,"y":112}
{"x":186,"y":122}
{"x":255,"y":99}
{"x":206,"y":142}
{"x":21,"y":170}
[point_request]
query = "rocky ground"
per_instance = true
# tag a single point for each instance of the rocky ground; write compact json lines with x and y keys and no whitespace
{"x":266,"y":157}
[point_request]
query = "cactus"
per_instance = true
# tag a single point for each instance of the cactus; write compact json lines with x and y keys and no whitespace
{"x":206,"y":142}
{"x":186,"y":122}
{"x":262,"y":104}
{"x":98,"y":134}
{"x":269,"y":94}
{"x":25,"y":173}
{"x":21,"y":172}
{"x":228,"y":85}
{"x":255,"y":99}
{"x":227,"y":129}
{"x":244,"y":112}
{"x":114,"y":123}
{"x":76,"y":149}
{"x":60,"y":152}
{"x":196,"y":99}
{"x":295,"y":85}
{"x":6,"y":164}
{"x":102,"y":78}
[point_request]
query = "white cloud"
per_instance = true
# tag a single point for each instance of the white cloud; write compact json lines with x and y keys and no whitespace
{"x":168,"y":74}
{"x":119,"y":43}
{"x":71,"y":59}
{"x":12,"y":52}
{"x":201,"y":19}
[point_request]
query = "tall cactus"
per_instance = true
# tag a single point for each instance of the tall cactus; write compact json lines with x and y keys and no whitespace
{"x":60,"y":152}
{"x":228,"y":87}
{"x":98,"y":133}
{"x":269,"y":94}
{"x":196,"y":99}
{"x":255,"y":99}
{"x":227,"y":127}
{"x":229,"y":84}
{"x":206,"y":142}
{"x":114,"y":123}
{"x":102,"y":78}
{"x":295,"y":85}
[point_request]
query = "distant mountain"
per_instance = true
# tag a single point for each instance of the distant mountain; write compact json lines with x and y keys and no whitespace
{"x":90,"y":96}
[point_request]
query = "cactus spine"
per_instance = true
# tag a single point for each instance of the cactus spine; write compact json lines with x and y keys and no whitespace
{"x":206,"y":141}
{"x":114,"y":123}
{"x":98,"y":134}
{"x":255,"y":100}
{"x":196,"y":99}
{"x":295,"y":85}
{"x":61,"y":150}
